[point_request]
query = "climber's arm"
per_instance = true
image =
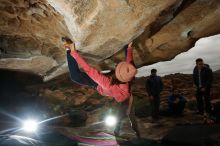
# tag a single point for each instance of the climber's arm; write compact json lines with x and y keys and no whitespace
{"x":129,"y":55}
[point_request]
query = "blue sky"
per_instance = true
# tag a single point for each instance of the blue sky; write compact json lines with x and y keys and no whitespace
{"x":206,"y":48}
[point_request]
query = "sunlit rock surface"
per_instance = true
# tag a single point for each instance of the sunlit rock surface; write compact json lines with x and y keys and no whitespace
{"x":30,"y":34}
{"x":30,"y":31}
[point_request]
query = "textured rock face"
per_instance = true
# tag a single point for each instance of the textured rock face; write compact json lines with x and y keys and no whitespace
{"x":183,"y":28}
{"x":108,"y":25}
{"x":31,"y":29}
{"x":30,"y":34}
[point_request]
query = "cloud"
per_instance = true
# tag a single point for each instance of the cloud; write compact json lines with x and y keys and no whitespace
{"x":206,"y":48}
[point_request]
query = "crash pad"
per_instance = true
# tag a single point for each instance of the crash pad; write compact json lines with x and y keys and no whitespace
{"x":100,"y":139}
{"x":192,"y":135}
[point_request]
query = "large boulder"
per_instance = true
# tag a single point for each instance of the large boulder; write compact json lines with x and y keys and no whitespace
{"x":30,"y":32}
{"x":31,"y":29}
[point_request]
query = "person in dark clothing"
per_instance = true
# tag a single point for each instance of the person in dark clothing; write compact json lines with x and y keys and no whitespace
{"x":202,"y":76}
{"x":176,"y":103}
{"x":154,"y":86}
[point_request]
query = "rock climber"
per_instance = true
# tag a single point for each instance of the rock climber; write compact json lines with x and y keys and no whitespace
{"x":119,"y":90}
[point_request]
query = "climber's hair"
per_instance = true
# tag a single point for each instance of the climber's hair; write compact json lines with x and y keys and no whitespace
{"x":154,"y":71}
{"x":199,"y":60}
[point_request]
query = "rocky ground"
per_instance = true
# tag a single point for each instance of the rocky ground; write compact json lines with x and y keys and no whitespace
{"x":20,"y":94}
{"x":61,"y":95}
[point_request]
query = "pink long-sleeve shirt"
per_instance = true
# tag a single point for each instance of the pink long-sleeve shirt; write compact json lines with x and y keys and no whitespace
{"x":120,"y":92}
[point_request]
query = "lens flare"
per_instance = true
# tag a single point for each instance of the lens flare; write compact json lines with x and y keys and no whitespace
{"x":110,"y":120}
{"x":30,"y":126}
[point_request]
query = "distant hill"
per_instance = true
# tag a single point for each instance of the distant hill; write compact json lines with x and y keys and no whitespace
{"x":217,"y":71}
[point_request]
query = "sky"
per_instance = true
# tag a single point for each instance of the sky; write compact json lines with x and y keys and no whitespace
{"x":206,"y":48}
